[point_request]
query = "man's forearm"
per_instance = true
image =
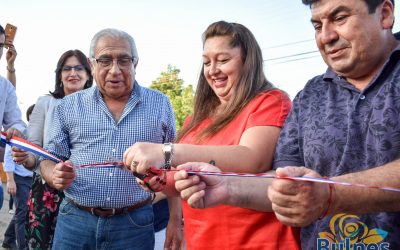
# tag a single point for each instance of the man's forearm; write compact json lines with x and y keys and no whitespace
{"x":359,"y":200}
{"x":46,"y":169}
{"x":249,"y":193}
{"x":10,"y":176}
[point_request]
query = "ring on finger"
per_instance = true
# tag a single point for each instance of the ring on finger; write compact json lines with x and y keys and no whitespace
{"x":134,"y":164}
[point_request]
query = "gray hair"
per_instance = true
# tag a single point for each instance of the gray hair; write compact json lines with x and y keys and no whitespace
{"x":114,"y":33}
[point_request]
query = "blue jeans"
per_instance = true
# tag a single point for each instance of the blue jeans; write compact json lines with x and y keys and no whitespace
{"x":79,"y":229}
{"x":16,"y":228}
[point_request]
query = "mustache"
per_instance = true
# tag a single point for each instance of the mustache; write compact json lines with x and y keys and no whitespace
{"x":337,"y":45}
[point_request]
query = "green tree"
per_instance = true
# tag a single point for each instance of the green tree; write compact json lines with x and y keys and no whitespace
{"x":181,"y":97}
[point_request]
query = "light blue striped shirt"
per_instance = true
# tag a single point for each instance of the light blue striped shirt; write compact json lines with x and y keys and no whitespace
{"x":10,"y":114}
{"x":85,"y":132}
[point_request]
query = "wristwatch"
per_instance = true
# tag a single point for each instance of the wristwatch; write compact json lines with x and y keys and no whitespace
{"x":168,"y":150}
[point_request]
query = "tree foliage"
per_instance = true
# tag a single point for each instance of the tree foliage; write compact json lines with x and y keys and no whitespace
{"x":181,"y":97}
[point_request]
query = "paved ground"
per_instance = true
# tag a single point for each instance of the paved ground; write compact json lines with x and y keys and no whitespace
{"x":5,"y":217}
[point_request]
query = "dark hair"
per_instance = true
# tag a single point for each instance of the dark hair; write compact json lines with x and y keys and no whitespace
{"x":2,"y":31}
{"x":251,"y":82}
{"x":58,"y":92}
{"x":372,"y":4}
{"x":29,"y":112}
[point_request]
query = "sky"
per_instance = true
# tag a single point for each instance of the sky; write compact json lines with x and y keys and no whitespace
{"x":165,"y":32}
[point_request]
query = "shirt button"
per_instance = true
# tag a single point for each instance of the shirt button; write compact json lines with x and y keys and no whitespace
{"x":114,"y":150}
{"x":111,"y":174}
{"x":362,"y":97}
{"x":108,"y":198}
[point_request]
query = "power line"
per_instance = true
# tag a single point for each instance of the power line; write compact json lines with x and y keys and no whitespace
{"x":294,"y":55}
{"x":288,"y":44}
{"x":297,"y":59}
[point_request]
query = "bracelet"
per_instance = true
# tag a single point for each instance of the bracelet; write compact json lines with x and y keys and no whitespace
{"x":168,"y":150}
{"x":11,"y":71}
{"x":330,"y":199}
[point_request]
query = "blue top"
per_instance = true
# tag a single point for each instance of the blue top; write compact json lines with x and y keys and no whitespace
{"x":161,"y":215}
{"x":11,"y":166}
{"x":84,"y":131}
{"x":336,"y":129}
{"x":10,"y":114}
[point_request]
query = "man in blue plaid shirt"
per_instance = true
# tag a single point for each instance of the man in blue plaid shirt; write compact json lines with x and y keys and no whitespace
{"x":104,"y":207}
{"x":10,"y":114}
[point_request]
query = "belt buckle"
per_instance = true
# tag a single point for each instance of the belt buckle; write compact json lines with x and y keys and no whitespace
{"x":93,"y":211}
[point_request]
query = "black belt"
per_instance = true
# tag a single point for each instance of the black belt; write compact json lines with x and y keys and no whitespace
{"x":108,"y":212}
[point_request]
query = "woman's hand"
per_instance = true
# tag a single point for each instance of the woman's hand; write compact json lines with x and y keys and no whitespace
{"x":140,"y":157}
{"x":10,"y":56}
{"x":154,"y":180}
{"x":13,"y":131}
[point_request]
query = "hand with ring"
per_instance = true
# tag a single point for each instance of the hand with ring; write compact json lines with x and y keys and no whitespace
{"x":144,"y":159}
{"x":143,"y":155}
{"x":133,"y":166}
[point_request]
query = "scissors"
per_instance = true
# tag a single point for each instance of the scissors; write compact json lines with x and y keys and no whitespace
{"x":151,"y":172}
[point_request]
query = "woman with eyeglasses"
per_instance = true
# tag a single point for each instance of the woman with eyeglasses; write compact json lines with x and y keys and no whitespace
{"x":73,"y":73}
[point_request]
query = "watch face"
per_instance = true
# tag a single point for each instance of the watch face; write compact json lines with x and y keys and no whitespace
{"x":167,"y":147}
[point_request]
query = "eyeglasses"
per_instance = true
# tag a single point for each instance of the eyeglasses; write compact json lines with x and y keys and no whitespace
{"x":70,"y":68}
{"x":123,"y":63}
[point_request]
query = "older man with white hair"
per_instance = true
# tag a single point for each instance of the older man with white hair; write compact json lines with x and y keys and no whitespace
{"x":104,"y":207}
